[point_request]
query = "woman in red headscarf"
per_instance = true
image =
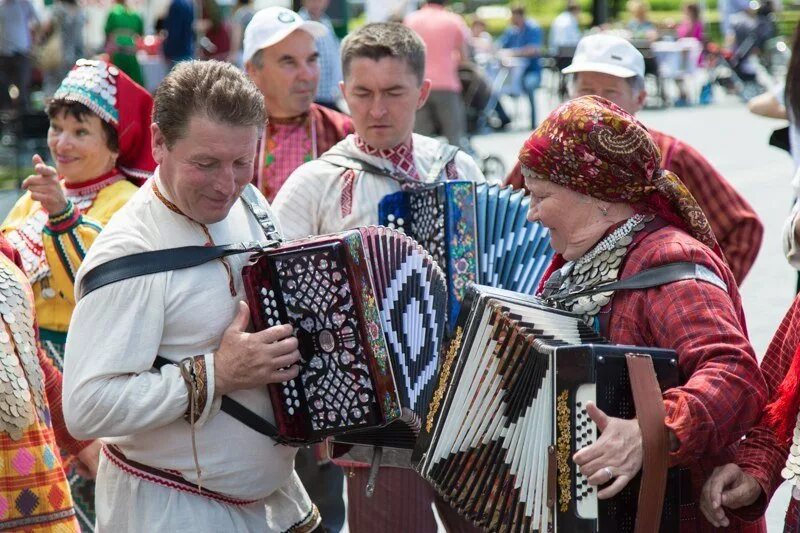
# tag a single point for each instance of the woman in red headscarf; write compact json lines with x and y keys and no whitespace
{"x":99,"y":140}
{"x":592,"y":170}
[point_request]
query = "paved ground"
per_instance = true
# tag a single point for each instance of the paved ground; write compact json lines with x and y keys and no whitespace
{"x":736,"y":142}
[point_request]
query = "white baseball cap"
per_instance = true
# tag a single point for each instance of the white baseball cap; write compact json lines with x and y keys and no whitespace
{"x":273,"y":24}
{"x":607,"y":54}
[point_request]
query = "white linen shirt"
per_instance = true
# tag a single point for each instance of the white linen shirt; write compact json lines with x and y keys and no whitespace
{"x":310,"y":201}
{"x":110,"y":388}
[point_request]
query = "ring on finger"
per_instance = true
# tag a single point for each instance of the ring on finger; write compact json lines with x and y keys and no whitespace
{"x":609,"y":472}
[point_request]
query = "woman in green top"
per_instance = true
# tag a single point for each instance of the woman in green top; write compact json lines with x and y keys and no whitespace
{"x":123,"y":26}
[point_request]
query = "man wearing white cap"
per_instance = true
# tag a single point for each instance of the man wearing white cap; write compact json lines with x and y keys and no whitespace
{"x":280,"y":56}
{"x":611,"y":67}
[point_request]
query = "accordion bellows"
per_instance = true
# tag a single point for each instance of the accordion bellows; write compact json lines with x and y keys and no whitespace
{"x":509,"y":413}
{"x":368,"y":307}
{"x":478,"y":233}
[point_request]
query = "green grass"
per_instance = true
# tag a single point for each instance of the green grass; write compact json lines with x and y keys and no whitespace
{"x":10,"y":178}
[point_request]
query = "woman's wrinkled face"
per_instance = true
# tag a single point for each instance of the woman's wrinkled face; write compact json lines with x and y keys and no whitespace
{"x":573,"y":218}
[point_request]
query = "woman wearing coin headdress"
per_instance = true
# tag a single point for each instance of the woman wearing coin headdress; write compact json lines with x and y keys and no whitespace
{"x":99,"y":139}
{"x":592,"y":170}
{"x":34,"y":493}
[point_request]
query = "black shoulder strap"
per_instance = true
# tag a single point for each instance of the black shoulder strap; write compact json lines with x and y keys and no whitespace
{"x":653,"y":277}
{"x":144,"y":263}
{"x":237,"y":410}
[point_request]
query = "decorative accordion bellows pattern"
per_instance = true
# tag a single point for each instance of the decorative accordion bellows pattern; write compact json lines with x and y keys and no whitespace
{"x":478,"y":233}
{"x":368,"y":307}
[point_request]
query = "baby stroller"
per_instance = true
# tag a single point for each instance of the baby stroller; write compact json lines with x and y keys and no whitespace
{"x":725,"y":69}
{"x":480,"y":98}
{"x":736,"y":69}
{"x":483,"y":109}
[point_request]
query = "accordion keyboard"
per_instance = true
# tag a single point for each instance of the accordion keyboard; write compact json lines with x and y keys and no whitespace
{"x":395,"y":223}
{"x":585,"y":435}
{"x":272,"y":318}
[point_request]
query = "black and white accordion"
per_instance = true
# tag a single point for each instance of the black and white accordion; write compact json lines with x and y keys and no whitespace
{"x":478,"y":233}
{"x":368,"y":307}
{"x":509,"y":413}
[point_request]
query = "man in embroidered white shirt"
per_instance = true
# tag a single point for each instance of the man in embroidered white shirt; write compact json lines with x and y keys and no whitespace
{"x":172,"y":461}
{"x":384,"y":85}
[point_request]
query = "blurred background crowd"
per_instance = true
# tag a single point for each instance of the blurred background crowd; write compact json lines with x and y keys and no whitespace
{"x":515,"y":52}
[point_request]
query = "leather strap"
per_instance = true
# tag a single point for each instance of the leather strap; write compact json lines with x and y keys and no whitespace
{"x":144,"y":263}
{"x":237,"y":410}
{"x":651,"y":277}
{"x":650,"y":414}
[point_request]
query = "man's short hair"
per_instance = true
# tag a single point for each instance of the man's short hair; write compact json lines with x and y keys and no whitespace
{"x":385,"y":39}
{"x":214,"y":89}
{"x":518,"y":10}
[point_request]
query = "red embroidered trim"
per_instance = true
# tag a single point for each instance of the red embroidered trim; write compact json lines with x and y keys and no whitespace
{"x":116,"y":457}
{"x":93,"y":185}
{"x":349,"y":178}
{"x":450,"y":170}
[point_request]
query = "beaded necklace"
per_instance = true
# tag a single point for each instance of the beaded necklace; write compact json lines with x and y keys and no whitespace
{"x":600,"y":265}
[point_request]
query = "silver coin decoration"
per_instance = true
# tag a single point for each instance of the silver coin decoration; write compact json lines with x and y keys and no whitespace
{"x":791,"y":471}
{"x":600,"y":265}
{"x":21,"y":377}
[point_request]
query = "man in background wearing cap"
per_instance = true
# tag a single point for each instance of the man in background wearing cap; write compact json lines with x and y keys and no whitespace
{"x":613,"y":68}
{"x":280,"y":56}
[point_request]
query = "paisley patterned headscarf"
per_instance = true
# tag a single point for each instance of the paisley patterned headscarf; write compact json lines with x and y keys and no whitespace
{"x":593,"y":147}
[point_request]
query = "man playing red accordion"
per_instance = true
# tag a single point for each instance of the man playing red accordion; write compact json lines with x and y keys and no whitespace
{"x":172,"y":460}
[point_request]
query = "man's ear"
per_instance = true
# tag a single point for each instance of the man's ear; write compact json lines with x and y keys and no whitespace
{"x":640,"y":99}
{"x":159,"y":143}
{"x":424,"y":92}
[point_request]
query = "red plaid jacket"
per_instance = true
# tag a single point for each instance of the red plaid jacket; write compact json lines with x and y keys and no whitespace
{"x":331,"y":127}
{"x":761,"y":455}
{"x":736,"y":225}
{"x":723,"y":393}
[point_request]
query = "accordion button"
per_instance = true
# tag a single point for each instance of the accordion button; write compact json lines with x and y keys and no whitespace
{"x":294,"y":393}
{"x":291,"y":410}
{"x":296,"y":402}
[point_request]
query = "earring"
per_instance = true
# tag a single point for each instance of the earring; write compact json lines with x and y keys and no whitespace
{"x":603,"y":209}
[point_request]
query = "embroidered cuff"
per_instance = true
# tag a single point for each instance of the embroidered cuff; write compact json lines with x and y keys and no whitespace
{"x":66,"y":219}
{"x":193,"y":370}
